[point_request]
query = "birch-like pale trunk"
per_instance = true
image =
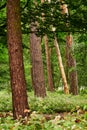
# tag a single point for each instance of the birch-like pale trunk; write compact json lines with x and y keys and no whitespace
{"x":66,"y":89}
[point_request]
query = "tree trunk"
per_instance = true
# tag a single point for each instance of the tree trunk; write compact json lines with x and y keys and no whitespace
{"x":49,"y":71}
{"x":37,"y":64}
{"x":71,"y":64}
{"x":14,"y":39}
{"x":66,"y":89}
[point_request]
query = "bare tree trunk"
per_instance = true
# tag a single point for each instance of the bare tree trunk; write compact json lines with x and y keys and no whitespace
{"x":66,"y":89}
{"x":71,"y":64}
{"x":49,"y":71}
{"x":14,"y":39}
{"x":37,"y":64}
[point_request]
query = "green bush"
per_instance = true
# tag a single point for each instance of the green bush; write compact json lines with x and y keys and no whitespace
{"x":53,"y":103}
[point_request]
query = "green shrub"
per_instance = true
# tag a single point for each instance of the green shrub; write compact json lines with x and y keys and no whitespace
{"x":52,"y":105}
{"x":56,"y":102}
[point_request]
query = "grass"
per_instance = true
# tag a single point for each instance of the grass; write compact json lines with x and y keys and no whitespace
{"x":55,"y":112}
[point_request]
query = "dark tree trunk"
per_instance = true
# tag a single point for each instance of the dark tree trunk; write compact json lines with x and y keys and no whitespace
{"x":49,"y":71}
{"x":14,"y":35}
{"x":38,"y":81}
{"x":71,"y":65}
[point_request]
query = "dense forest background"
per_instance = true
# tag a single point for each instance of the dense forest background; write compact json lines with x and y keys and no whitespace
{"x":43,"y":65}
{"x":78,"y":27}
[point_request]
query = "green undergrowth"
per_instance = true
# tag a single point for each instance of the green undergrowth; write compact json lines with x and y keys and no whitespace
{"x":54,"y":112}
{"x":36,"y":121}
{"x":55,"y":102}
{"x":52,"y":103}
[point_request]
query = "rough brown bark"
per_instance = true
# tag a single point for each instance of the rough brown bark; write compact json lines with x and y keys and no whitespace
{"x":66,"y":89}
{"x":14,"y":39}
{"x":37,"y":64}
{"x":71,"y":64}
{"x":49,"y":71}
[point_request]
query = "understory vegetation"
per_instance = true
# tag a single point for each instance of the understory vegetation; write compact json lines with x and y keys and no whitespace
{"x":55,"y":112}
{"x":64,"y":89}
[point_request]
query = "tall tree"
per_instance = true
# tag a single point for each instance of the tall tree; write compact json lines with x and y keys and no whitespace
{"x":14,"y":39}
{"x":38,"y":81}
{"x":71,"y":62}
{"x":66,"y":89}
{"x":49,"y":71}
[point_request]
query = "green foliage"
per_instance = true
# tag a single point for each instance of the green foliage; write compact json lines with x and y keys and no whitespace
{"x":53,"y":17}
{"x":55,"y":112}
{"x":81,"y":58}
{"x":5,"y":101}
{"x":4,"y":67}
{"x":67,"y":122}
{"x":56,"y":102}
{"x":31,"y":12}
{"x":53,"y":103}
{"x":80,"y":51}
{"x":27,"y":61}
{"x":2,"y":18}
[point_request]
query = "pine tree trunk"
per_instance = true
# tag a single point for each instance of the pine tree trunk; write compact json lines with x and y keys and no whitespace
{"x":49,"y":71}
{"x":66,"y":89}
{"x":14,"y":35}
{"x":37,"y":64}
{"x":71,"y":65}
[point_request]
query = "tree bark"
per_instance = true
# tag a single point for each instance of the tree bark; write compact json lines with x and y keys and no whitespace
{"x":38,"y":81}
{"x":66,"y":89}
{"x":71,"y":65}
{"x":49,"y":71}
{"x":71,"y":62}
{"x":14,"y":39}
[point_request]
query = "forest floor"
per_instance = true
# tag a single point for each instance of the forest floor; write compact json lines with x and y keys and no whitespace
{"x":55,"y":112}
{"x":36,"y":121}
